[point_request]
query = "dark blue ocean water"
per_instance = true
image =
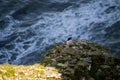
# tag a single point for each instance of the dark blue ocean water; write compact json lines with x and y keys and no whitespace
{"x":29,"y":27}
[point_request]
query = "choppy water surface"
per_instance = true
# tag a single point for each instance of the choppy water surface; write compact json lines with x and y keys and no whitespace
{"x":29,"y":27}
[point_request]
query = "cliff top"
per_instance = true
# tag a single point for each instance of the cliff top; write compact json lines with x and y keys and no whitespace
{"x":72,"y":60}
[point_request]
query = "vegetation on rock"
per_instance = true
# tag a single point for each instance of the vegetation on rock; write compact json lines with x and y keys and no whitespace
{"x":31,"y":72}
{"x":81,"y":60}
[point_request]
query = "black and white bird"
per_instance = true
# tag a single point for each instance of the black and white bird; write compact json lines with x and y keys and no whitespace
{"x":69,"y":42}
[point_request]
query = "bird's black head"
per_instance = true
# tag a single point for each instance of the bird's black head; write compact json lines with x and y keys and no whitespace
{"x":69,"y":38}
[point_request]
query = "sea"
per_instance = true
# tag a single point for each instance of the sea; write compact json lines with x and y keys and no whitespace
{"x":29,"y":27}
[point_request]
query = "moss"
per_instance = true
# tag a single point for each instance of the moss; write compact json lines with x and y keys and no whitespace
{"x":39,"y":66}
{"x":61,"y":60}
{"x":79,"y":73}
{"x":55,"y":70}
{"x":98,"y":46}
{"x":7,"y":70}
{"x":21,"y":72}
{"x":94,"y":70}
{"x":59,"y":67}
{"x":1,"y":72}
{"x":48,"y":54}
{"x":53,"y":78}
{"x":10,"y":72}
{"x":46,"y":62}
{"x":39,"y":72}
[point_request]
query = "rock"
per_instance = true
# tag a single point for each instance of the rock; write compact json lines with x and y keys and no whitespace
{"x":62,"y":65}
{"x":88,"y":59}
{"x":118,"y":67}
{"x":83,"y":60}
{"x":105,"y":66}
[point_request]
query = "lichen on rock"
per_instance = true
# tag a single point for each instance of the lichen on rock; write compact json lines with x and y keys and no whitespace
{"x":83,"y":60}
{"x":31,"y":72}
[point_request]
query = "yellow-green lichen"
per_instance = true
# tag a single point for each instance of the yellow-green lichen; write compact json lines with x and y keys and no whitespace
{"x":53,"y":78}
{"x":31,"y":72}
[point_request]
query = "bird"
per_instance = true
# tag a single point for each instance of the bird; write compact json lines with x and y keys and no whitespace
{"x":69,"y":42}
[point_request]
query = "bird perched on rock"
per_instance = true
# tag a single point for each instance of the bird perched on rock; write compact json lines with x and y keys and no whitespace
{"x":69,"y":42}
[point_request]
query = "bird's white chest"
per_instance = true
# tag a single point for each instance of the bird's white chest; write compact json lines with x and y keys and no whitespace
{"x":70,"y":42}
